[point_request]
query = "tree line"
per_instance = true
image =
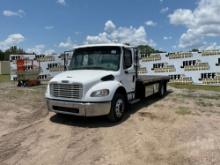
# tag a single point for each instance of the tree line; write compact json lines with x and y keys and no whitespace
{"x":5,"y":55}
{"x":146,"y":49}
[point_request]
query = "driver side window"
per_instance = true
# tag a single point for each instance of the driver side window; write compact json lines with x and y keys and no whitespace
{"x":127,"y":58}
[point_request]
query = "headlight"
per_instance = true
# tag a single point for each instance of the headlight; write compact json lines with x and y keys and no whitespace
{"x":100,"y":93}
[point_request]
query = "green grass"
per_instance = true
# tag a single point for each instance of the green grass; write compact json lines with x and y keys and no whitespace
{"x":187,"y":96}
{"x":196,"y":87}
{"x":183,"y":111}
{"x":204,"y":104}
{"x":4,"y":78}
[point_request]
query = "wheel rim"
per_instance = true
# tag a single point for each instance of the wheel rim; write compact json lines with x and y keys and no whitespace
{"x":119,"y":107}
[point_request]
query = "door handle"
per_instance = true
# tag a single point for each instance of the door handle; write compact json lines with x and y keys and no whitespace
{"x":126,"y":72}
{"x":133,"y":78}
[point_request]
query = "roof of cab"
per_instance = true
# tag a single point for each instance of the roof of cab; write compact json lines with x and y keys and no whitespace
{"x":98,"y":45}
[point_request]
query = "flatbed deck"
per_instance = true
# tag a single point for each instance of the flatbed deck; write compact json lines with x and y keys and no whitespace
{"x":148,"y":79}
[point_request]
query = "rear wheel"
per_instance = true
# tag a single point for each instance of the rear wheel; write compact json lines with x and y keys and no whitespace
{"x":118,"y":107}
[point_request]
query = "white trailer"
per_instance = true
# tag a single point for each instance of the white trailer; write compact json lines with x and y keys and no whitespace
{"x":101,"y":80}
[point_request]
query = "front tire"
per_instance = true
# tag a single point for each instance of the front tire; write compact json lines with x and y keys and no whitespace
{"x":118,"y":106}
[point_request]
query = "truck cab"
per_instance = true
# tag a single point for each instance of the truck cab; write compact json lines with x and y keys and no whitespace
{"x":101,"y":80}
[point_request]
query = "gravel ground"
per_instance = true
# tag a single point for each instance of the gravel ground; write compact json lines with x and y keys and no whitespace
{"x":182,"y":128}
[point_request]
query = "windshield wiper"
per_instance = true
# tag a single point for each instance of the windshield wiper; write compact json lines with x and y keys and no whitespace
{"x":94,"y":67}
{"x":90,"y":68}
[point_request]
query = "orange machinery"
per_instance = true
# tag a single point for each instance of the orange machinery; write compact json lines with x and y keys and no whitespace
{"x":27,"y":72}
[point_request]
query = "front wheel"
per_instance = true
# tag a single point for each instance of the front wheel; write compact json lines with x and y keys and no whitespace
{"x":118,"y":107}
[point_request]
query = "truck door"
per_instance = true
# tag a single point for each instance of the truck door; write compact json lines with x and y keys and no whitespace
{"x":128,"y":74}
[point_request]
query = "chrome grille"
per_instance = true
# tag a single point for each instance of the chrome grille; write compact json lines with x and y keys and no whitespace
{"x":73,"y":91}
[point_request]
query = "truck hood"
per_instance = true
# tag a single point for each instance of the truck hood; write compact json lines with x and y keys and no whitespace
{"x":81,"y":76}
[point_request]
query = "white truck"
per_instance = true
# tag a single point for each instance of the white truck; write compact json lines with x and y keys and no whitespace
{"x":101,"y":79}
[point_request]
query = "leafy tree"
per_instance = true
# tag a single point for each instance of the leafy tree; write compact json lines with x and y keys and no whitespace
{"x":147,"y":50}
{"x":4,"y":56}
{"x":195,"y":50}
{"x":14,"y":50}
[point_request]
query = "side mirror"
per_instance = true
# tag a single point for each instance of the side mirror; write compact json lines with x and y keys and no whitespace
{"x":66,"y":56}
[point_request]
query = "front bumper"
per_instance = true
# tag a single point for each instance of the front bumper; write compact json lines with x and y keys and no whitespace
{"x":79,"y":108}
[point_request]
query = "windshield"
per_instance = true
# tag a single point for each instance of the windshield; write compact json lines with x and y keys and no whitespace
{"x":100,"y":58}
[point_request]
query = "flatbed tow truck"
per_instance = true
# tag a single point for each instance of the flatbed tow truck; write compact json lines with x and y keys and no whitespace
{"x":102,"y":79}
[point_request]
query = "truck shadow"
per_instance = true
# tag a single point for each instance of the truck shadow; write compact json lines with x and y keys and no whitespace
{"x":102,"y":121}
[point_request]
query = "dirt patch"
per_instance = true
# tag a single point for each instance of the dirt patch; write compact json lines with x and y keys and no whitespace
{"x":148,"y":114}
{"x":183,"y":111}
{"x":182,"y":128}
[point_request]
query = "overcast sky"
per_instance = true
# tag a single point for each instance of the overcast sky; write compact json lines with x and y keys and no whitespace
{"x":47,"y":26}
